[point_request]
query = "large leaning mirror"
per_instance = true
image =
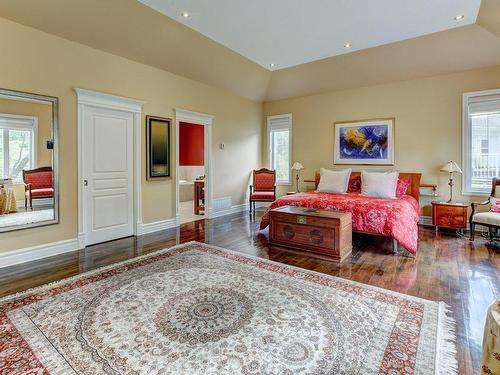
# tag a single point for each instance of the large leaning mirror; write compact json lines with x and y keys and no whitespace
{"x":29,"y":195}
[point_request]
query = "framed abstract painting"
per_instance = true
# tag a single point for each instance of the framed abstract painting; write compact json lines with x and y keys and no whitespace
{"x":158,"y":143}
{"x":365,"y":142}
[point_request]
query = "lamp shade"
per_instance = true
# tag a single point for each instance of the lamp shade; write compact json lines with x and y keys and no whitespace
{"x":297,"y":166}
{"x":451,"y":167}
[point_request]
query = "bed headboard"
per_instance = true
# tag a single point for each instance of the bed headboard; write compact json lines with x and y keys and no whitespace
{"x":413,"y":188}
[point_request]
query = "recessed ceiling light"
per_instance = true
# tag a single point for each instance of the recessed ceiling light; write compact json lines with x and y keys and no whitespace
{"x":347,"y":45}
{"x":272,"y":65}
{"x":186,"y":15}
{"x":459,"y":17}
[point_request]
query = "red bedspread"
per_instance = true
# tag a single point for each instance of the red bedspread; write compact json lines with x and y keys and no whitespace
{"x":397,"y":218}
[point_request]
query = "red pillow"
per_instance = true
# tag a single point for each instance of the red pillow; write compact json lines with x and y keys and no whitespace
{"x":495,"y":207}
{"x":354,"y":185}
{"x":402,"y":186}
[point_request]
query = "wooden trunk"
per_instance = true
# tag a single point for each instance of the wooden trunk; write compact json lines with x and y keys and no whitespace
{"x":321,"y":233}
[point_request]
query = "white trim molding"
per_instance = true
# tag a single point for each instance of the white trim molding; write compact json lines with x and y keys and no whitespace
{"x":480,"y":98}
{"x":97,"y":99}
{"x":100,"y":99}
{"x":288,"y":126}
{"x":182,"y":115}
{"x":28,"y":254}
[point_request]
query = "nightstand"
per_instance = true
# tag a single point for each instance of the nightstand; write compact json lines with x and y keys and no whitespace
{"x":449,"y":215}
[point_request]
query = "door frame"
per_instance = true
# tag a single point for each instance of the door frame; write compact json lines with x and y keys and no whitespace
{"x":88,"y":98}
{"x":182,"y":115}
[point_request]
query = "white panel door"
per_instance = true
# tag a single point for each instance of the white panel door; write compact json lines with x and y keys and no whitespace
{"x":108,"y":149}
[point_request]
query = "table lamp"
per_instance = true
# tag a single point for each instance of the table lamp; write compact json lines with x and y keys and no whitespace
{"x":297,"y":167}
{"x":451,"y":167}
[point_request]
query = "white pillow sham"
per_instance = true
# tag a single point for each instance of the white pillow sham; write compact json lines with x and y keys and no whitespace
{"x":334,"y":181}
{"x":379,"y":184}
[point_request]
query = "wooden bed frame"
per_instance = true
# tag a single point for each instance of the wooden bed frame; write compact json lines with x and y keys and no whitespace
{"x":413,"y":190}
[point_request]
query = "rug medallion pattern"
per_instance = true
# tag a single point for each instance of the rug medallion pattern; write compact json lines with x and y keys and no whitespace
{"x":198,"y":309}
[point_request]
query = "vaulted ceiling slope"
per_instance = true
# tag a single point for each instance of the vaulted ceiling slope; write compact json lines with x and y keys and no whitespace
{"x":287,"y":33}
{"x":489,"y":16}
{"x":132,"y":30}
{"x":445,"y":52}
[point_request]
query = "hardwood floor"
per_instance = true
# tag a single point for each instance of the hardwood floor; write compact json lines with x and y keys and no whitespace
{"x":449,"y":268}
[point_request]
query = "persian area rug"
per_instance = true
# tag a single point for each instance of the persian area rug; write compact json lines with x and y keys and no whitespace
{"x":200,"y":309}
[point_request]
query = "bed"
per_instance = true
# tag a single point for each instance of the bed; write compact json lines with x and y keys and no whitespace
{"x":395,"y":218}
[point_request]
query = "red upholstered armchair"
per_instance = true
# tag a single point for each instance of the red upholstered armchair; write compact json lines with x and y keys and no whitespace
{"x":38,"y":183}
{"x":263,"y":188}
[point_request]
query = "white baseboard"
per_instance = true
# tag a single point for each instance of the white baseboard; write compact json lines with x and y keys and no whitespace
{"x":28,"y":254}
{"x":425,"y":220}
{"x":37,"y":202}
{"x":235,"y":209}
{"x":228,"y":211}
{"x":159,"y":225}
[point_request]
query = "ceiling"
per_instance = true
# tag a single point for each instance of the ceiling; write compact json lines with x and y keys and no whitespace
{"x":292,"y":32}
{"x":132,"y":30}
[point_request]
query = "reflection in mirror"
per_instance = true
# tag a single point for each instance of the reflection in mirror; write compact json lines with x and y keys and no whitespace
{"x":28,"y":160}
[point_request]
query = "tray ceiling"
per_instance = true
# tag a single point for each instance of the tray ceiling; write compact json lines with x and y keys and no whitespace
{"x":282,"y":33}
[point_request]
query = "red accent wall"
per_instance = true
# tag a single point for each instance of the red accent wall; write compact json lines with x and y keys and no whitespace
{"x":191,"y":144}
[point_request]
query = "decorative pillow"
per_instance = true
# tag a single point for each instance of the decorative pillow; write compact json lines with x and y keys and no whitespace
{"x":495,"y":205}
{"x":379,"y":184}
{"x":354,"y":184}
{"x":334,"y":181}
{"x":402,"y":186}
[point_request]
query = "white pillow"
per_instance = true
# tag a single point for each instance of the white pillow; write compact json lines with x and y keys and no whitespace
{"x":334,"y":181}
{"x":379,"y":184}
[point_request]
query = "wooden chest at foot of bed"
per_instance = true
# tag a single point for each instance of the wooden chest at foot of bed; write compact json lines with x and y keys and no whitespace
{"x":322,"y":233}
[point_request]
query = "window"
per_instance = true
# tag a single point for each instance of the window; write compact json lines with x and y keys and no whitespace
{"x":481,"y":140}
{"x":484,"y":146}
{"x":17,"y":145}
{"x":279,"y":141}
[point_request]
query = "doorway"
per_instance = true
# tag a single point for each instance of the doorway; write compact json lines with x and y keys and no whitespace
{"x":193,"y":166}
{"x":191,"y":172}
{"x":109,"y":172}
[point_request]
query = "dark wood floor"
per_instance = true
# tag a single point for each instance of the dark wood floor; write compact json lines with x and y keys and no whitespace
{"x":448,"y":268}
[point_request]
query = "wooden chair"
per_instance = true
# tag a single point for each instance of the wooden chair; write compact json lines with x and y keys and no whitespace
{"x":263,"y":188}
{"x":38,"y":184}
{"x":488,"y":219}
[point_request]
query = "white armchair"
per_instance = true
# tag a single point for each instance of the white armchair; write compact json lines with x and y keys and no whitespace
{"x":488,"y":219}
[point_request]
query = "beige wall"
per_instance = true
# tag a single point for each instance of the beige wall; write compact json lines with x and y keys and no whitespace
{"x":37,"y":62}
{"x":43,"y":113}
{"x":428,"y":122}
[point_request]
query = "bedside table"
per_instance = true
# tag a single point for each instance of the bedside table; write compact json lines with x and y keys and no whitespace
{"x":449,"y":215}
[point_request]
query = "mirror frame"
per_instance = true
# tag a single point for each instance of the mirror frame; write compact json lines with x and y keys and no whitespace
{"x":54,"y":102}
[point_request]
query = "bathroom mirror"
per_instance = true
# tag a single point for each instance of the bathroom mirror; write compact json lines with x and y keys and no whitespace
{"x":29,"y":194}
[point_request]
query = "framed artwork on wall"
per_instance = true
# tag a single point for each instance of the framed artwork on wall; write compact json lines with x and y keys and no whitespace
{"x":158,"y":147}
{"x":364,"y":142}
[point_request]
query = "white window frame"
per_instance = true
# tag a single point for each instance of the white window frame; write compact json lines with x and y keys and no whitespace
{"x":467,"y":98}
{"x":269,"y":150}
{"x":9,"y":121}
